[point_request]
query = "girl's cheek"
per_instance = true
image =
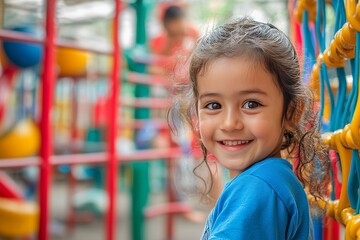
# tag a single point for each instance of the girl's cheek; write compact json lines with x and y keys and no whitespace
{"x":203,"y":124}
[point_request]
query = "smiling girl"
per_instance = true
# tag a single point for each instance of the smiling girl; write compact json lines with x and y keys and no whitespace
{"x":251,"y":111}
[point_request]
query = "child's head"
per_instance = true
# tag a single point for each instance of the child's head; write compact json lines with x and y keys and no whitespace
{"x":174,"y":21}
{"x":264,"y":45}
{"x":246,"y":98}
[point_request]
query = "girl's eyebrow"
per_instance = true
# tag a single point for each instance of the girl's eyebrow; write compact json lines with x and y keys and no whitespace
{"x":208,"y":95}
{"x":244,"y":92}
{"x":252,"y":91}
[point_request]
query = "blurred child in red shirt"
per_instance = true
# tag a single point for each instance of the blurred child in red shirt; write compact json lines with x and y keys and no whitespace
{"x":176,"y":41}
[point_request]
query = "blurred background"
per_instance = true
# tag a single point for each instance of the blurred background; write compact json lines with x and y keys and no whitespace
{"x":103,"y":164}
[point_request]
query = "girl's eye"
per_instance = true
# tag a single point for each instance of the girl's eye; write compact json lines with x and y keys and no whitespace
{"x":213,"y":106}
{"x":251,"y":105}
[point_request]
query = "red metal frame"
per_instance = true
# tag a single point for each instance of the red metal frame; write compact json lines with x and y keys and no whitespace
{"x":112,"y":164}
{"x":139,"y":78}
{"x":171,"y":199}
{"x":46,"y":160}
{"x":23,"y":37}
{"x":13,"y":35}
{"x":168,"y":208}
{"x":156,"y":123}
{"x":48,"y":78}
{"x":93,"y":158}
{"x":148,"y":103}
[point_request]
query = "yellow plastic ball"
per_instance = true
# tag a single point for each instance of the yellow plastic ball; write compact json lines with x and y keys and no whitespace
{"x":21,"y":141}
{"x":71,"y":62}
{"x":18,"y":218}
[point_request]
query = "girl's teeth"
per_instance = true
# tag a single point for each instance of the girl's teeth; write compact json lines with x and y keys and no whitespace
{"x":234,"y":143}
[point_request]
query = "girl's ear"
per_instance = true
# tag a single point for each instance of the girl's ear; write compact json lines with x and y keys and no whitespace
{"x":293,"y":115}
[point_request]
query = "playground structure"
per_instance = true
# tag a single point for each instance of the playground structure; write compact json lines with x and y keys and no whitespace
{"x":323,"y":59}
{"x":55,"y":68}
{"x":339,"y":100}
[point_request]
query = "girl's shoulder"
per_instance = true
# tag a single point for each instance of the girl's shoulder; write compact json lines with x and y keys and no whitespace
{"x":266,"y":193}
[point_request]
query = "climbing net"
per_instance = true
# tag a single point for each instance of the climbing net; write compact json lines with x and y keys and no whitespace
{"x":338,"y":96}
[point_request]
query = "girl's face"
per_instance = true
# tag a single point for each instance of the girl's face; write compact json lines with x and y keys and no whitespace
{"x":240,"y":113}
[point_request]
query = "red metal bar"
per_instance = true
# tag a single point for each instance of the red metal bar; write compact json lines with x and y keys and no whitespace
{"x":152,"y":59}
{"x":73,"y":136}
{"x":140,"y":78}
{"x":19,"y":162}
{"x":143,"y":78}
{"x":114,"y":91}
{"x":67,"y":44}
{"x":74,"y":114}
{"x":71,"y":217}
{"x":18,"y":36}
{"x":136,"y":124}
{"x":171,"y":199}
{"x":93,"y":158}
{"x":167,"y":208}
{"x":48,"y":78}
{"x":22,"y":37}
{"x":89,"y":158}
{"x":170,"y":191}
{"x":152,"y":154}
{"x":147,"y":103}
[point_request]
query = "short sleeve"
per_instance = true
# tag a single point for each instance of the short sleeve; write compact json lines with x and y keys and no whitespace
{"x":249,"y":209}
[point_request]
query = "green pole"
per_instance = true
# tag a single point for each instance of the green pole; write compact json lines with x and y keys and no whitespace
{"x":140,"y":170}
{"x":140,"y":22}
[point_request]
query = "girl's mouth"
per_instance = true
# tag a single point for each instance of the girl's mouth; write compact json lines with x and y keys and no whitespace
{"x":234,"y":143}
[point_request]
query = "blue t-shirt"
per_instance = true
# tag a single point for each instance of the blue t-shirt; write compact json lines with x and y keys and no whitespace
{"x":266,"y":201}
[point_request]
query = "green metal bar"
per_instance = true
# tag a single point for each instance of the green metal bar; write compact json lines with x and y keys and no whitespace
{"x":140,"y":170}
{"x":140,"y":22}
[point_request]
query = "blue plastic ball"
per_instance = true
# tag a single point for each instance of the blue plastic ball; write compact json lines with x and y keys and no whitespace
{"x":23,"y":54}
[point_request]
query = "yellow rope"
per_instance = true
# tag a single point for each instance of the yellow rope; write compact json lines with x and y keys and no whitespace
{"x":341,"y":48}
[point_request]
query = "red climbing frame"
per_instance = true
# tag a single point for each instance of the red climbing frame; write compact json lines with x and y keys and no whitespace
{"x":48,"y":78}
{"x":46,"y":159}
{"x":112,"y":164}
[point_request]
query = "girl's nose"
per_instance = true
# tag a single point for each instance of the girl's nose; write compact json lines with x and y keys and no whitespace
{"x":231,"y":121}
